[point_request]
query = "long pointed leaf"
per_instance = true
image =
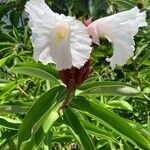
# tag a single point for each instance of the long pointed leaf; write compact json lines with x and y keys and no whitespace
{"x":38,"y":111}
{"x":36,"y":70}
{"x":98,"y":132}
{"x":9,"y":123}
{"x":79,"y":132}
{"x":114,"y":121}
{"x":109,"y":88}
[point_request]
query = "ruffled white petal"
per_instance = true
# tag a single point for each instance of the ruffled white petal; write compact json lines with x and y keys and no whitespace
{"x":56,"y":38}
{"x":80,"y":43}
{"x":119,"y":29}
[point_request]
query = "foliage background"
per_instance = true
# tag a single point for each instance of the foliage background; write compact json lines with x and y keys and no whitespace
{"x":19,"y":89}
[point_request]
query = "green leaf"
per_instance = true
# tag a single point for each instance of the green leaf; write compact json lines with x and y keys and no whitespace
{"x":36,"y":70}
{"x":14,"y":18}
{"x":111,"y":120}
{"x":9,"y":123}
{"x":124,"y":4}
{"x":16,"y":34}
{"x":7,"y":37}
{"x":145,"y":58}
{"x":7,"y":139}
{"x":6,"y":8}
{"x":47,"y":121}
{"x":77,"y":129}
{"x":148,"y":122}
{"x":139,"y":50}
{"x":7,"y":44}
{"x":145,"y":72}
{"x":109,"y":88}
{"x":47,"y":141}
{"x":62,"y":138}
{"x":13,"y":109}
{"x":26,"y":34}
{"x":142,"y":130}
{"x":3,"y":61}
{"x":126,"y":145}
{"x":42,"y":111}
{"x":8,"y":87}
{"x":39,"y":134}
{"x":119,"y":104}
{"x":98,"y":132}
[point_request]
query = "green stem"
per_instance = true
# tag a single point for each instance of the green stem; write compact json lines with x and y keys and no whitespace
{"x":66,"y":100}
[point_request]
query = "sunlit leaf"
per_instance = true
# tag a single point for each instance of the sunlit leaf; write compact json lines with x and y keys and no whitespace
{"x":3,"y":61}
{"x":9,"y":123}
{"x":109,"y":88}
{"x":77,"y":129}
{"x":112,"y":120}
{"x":36,"y":70}
{"x":13,"y":109}
{"x":119,"y":104}
{"x":42,"y":112}
{"x":102,"y":133}
{"x":8,"y":87}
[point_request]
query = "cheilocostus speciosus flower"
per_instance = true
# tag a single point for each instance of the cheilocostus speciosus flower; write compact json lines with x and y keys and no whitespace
{"x":119,"y":29}
{"x":57,"y":39}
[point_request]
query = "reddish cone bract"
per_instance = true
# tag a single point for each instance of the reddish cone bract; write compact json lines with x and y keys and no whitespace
{"x":74,"y":77}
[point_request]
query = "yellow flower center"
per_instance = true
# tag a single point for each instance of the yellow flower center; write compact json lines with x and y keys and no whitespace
{"x":62,"y":31}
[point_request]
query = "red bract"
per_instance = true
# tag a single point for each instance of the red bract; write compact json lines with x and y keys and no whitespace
{"x":73,"y":77}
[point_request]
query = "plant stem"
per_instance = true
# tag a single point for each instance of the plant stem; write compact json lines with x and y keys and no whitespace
{"x":66,"y":100}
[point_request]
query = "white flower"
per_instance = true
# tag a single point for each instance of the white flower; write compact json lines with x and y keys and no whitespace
{"x":119,"y":29}
{"x":58,"y":39}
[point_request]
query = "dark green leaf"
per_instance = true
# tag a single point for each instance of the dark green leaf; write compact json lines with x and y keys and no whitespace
{"x":124,"y":4}
{"x":3,"y":61}
{"x":6,"y":8}
{"x":39,"y":112}
{"x":9,"y":123}
{"x":77,"y":129}
{"x":14,"y":18}
{"x":99,"y":132}
{"x":61,"y":139}
{"x":8,"y":87}
{"x":109,"y":88}
{"x":16,"y":34}
{"x":7,"y":37}
{"x":112,"y":120}
{"x":36,"y":70}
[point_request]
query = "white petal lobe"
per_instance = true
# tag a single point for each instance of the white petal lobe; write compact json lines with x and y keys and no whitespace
{"x":80,"y":43}
{"x":120,"y":30}
{"x":56,"y":38}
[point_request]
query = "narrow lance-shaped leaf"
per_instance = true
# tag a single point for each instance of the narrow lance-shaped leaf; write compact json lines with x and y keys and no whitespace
{"x":109,"y":88}
{"x":13,"y":109}
{"x":38,"y":112}
{"x":7,"y":44}
{"x":119,"y":104}
{"x":36,"y":70}
{"x":7,"y":139}
{"x":102,"y":133}
{"x":112,"y":120}
{"x":8,"y":87}
{"x":3,"y":61}
{"x":142,"y":130}
{"x":77,"y":129}
{"x":7,"y":37}
{"x":9,"y":123}
{"x":41,"y":128}
{"x":62,"y":138}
